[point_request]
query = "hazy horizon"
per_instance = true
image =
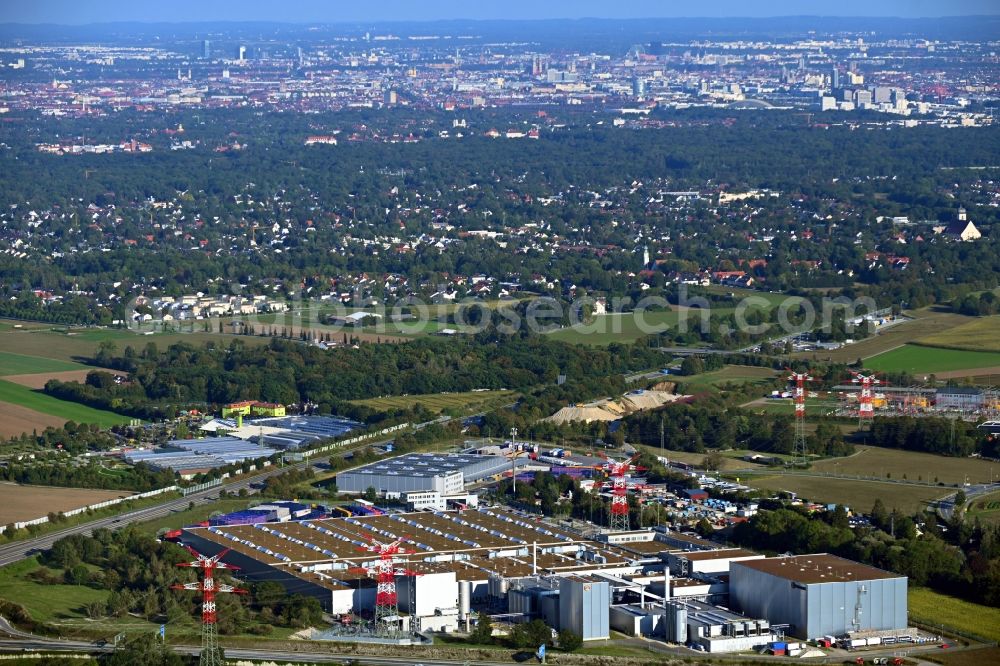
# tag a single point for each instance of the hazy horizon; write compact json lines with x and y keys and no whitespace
{"x":71,"y":12}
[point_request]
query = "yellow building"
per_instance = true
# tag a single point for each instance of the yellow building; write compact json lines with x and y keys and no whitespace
{"x":252,"y":408}
{"x":267,"y":409}
{"x":241,"y":408}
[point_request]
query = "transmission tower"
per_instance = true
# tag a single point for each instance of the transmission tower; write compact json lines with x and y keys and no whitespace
{"x":210,"y":655}
{"x":385,"y":570}
{"x":866,"y":408}
{"x":799,"y":445}
{"x":618,"y":471}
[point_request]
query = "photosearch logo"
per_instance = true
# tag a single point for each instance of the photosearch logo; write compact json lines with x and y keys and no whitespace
{"x":700,"y":318}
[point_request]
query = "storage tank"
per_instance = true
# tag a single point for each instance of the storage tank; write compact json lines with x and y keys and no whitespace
{"x":464,"y":598}
{"x":498,"y":587}
{"x":676,"y":624}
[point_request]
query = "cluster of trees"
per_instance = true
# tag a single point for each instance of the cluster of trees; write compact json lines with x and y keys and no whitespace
{"x":77,"y":310}
{"x":947,"y":437}
{"x":561,"y":495}
{"x":281,"y":485}
{"x":978,"y":305}
{"x":525,"y":635}
{"x":72,"y":437}
{"x":704,"y":426}
{"x":139,"y":569}
{"x":290,"y":373}
{"x":139,"y":478}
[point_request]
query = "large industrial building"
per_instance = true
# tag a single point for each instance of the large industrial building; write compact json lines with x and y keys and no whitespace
{"x":444,"y":473}
{"x":819,"y":595}
{"x":480,"y":550}
{"x":189,"y":457}
{"x":517,"y":566}
{"x":283,"y":432}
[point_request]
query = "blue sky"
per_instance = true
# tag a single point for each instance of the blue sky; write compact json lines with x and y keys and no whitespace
{"x":94,"y":11}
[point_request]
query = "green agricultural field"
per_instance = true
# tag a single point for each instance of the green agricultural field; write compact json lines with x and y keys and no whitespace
{"x":877,"y":462}
{"x":628,"y":327}
{"x":860,"y":495}
{"x":620,"y":327}
{"x":47,"y":344}
{"x":940,"y":609}
{"x":738,"y":294}
{"x":19,"y":364}
{"x":438,"y":402}
{"x":982,"y":334}
{"x":925,"y":322}
{"x":734,"y":374}
{"x":917,"y":359}
{"x":70,"y":411}
{"x":74,"y":344}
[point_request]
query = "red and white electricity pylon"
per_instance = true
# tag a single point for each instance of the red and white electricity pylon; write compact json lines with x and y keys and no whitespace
{"x":208,"y":588}
{"x":385,"y":569}
{"x":799,"y":397}
{"x":866,"y":406}
{"x":618,"y":471}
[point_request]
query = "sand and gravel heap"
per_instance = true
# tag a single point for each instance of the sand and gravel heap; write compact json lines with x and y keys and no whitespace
{"x":612,"y":410}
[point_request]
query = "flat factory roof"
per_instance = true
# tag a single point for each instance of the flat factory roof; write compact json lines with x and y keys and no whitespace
{"x":433,"y":464}
{"x":819,"y":568}
{"x":473,"y":543}
{"x":724,"y":554}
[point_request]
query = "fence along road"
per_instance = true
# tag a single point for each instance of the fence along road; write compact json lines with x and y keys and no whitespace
{"x":25,"y":548}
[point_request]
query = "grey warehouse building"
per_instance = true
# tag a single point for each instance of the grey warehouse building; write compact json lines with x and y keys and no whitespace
{"x":584,"y":606}
{"x":445,"y":473}
{"x":819,"y":595}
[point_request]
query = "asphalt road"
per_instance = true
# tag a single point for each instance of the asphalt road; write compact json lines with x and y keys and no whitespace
{"x":22,"y":641}
{"x":947,"y":505}
{"x":22,"y":549}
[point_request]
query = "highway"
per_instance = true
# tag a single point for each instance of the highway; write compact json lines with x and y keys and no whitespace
{"x":24,"y":548}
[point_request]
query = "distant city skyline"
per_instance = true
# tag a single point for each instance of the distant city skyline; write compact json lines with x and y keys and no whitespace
{"x":305,"y":11}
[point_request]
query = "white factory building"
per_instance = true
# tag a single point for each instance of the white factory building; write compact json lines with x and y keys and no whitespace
{"x":443,"y":473}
